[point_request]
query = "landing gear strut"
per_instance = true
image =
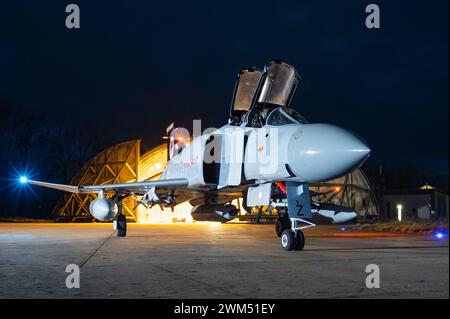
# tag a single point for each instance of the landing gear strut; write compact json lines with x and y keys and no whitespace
{"x":121,"y":220}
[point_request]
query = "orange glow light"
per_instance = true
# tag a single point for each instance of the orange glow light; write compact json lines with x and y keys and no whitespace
{"x":154,"y":215}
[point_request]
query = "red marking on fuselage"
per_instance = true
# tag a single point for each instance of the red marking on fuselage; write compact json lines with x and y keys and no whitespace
{"x":281,"y":186}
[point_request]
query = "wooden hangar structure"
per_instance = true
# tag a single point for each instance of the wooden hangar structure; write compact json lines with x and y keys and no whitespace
{"x":121,"y":163}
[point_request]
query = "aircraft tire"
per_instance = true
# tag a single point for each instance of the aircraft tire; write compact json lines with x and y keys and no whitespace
{"x":287,"y":239}
{"x":299,"y":241}
{"x":121,"y":226}
{"x":278,"y":228}
{"x":281,"y":225}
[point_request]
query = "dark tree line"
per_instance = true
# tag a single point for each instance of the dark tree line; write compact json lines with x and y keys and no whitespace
{"x":34,"y":146}
{"x":387,"y":176}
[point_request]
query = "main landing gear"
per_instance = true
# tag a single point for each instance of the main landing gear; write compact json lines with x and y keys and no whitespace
{"x":120,"y":223}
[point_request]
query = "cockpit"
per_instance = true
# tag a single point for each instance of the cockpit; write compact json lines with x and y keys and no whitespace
{"x":284,"y":116}
{"x":264,"y":97}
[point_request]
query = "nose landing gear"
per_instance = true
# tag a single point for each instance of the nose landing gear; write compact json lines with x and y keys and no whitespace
{"x":293,"y":238}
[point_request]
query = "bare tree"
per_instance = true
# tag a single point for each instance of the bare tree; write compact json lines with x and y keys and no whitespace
{"x":31,"y":133}
{"x":63,"y":148}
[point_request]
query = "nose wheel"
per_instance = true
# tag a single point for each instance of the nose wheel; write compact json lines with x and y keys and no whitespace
{"x":293,"y":237}
{"x":281,"y":225}
{"x":291,"y":240}
{"x":299,"y":241}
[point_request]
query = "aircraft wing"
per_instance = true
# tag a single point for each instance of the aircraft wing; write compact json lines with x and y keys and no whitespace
{"x":138,"y":188}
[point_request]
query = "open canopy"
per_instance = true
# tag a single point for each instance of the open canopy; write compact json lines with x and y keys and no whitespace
{"x":279,"y":84}
{"x":257,"y":93}
{"x":246,"y":87}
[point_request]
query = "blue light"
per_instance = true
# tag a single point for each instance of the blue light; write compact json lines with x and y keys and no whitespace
{"x":23,"y":179}
{"x":440,"y":234}
{"x":343,"y":228}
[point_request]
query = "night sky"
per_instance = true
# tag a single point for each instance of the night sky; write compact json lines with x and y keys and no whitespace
{"x":136,"y":66}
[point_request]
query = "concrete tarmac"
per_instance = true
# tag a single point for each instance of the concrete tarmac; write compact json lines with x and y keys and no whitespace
{"x":215,"y":261}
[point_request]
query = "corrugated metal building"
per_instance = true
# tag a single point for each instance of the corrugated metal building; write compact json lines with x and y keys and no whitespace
{"x":426,"y":203}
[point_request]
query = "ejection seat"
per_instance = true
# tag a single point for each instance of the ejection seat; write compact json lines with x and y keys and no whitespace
{"x":257,"y":93}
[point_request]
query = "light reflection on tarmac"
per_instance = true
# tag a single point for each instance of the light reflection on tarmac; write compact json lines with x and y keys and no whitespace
{"x":207,"y":260}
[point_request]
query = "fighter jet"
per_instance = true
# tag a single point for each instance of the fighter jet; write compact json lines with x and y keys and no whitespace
{"x":266,"y":154}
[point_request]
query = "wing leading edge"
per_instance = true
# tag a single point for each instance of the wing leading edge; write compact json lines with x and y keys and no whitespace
{"x":134,"y":188}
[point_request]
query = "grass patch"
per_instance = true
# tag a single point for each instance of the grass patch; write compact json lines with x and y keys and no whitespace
{"x":404,"y":227}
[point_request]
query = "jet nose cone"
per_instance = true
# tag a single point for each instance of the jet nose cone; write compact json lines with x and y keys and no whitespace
{"x":321,"y":152}
{"x":356,"y":147}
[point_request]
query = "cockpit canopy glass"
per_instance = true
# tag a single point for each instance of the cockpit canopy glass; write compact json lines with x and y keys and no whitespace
{"x":246,"y":87}
{"x":283,"y":116}
{"x":279,"y":85}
